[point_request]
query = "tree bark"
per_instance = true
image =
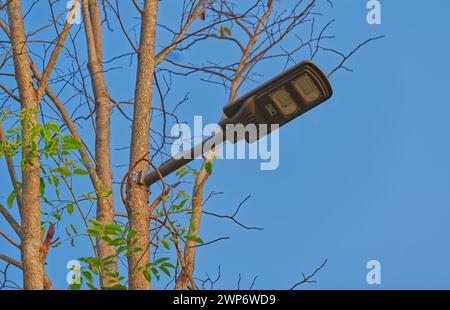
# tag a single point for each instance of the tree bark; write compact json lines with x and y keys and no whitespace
{"x":137,"y":195}
{"x":47,"y":282}
{"x":105,"y":202}
{"x":196,"y":219}
{"x":33,"y":268}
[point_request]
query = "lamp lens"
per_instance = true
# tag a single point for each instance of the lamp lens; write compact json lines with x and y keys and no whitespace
{"x":307,"y":89}
{"x":284,"y":101}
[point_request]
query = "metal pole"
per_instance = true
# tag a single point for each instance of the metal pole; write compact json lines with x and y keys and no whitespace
{"x":179,"y":161}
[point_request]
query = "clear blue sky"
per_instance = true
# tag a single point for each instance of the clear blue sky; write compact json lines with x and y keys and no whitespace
{"x":364,"y":176}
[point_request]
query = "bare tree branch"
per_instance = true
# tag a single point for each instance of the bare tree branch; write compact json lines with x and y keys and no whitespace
{"x":309,"y":278}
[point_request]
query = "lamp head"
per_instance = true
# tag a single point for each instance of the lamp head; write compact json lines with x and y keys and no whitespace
{"x":282,"y":99}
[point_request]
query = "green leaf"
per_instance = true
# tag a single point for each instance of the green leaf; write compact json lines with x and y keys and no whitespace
{"x":161,"y":260}
{"x":155,"y":273}
{"x":105,"y":193}
{"x":91,"y":287}
{"x":194,"y":239}
{"x":89,"y":197}
{"x":181,"y":172}
{"x":46,"y":134}
{"x":53,"y":127}
{"x":193,"y":225}
{"x":117,"y":242}
{"x":227,"y":30}
{"x":69,"y":143}
{"x":208,"y":167}
{"x":11,"y":197}
{"x":107,"y":239}
{"x":42,"y":188}
{"x":168,"y":265}
{"x":131,"y":234}
{"x":147,"y":275}
{"x":79,"y":171}
{"x":69,"y":208}
{"x":166,"y":244}
{"x":57,"y":244}
{"x":224,"y":32}
{"x":58,"y":194}
{"x":13,"y":130}
{"x":180,"y":206}
{"x":93,"y":231}
{"x":55,"y":180}
{"x":118,"y":287}
{"x":94,"y":221}
{"x":75,"y":287}
{"x":74,"y":229}
{"x":87,"y":275}
{"x":64,"y":171}
{"x":165,"y":270}
{"x":122,"y":248}
{"x":113,"y":229}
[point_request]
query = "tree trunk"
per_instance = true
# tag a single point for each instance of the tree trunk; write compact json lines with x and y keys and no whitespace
{"x":185,"y":276}
{"x":33,"y":267}
{"x":105,"y":202}
{"x":137,"y":195}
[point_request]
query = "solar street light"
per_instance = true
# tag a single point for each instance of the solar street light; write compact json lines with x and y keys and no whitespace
{"x":278,"y":101}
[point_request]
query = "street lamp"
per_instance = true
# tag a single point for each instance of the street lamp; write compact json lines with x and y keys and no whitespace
{"x":278,"y":101}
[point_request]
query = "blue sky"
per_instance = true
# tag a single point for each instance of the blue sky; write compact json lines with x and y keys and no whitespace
{"x":364,"y":176}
